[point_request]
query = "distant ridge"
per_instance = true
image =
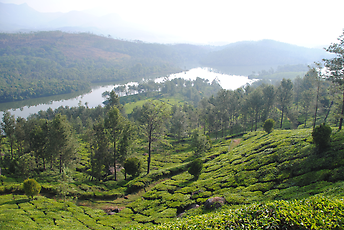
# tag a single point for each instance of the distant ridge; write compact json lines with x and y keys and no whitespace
{"x":263,"y":52}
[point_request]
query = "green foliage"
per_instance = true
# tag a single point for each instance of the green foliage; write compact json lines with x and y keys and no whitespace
{"x":268,"y":125}
{"x":313,"y":213}
{"x":132,"y":166}
{"x":322,"y":136}
{"x":196,"y":167}
{"x":199,"y":142}
{"x":31,"y":188}
{"x":26,"y":66}
{"x":153,"y":117}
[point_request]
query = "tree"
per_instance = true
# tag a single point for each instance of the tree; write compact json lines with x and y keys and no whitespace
{"x":20,"y":136}
{"x":31,"y":188}
{"x":125,"y":143}
{"x":153,"y":116}
{"x":307,"y":97}
{"x":269,"y":125}
{"x":268,"y":98}
{"x":334,"y":69}
{"x":100,"y":159}
{"x":8,"y":126}
{"x":132,"y":166}
{"x":199,"y":142}
{"x":114,"y":123}
{"x":178,"y":123}
{"x":62,"y":144}
{"x":256,"y":103}
{"x":26,"y":164}
{"x":196,"y":167}
{"x":284,"y":95}
{"x":38,"y":138}
{"x":321,"y":136}
{"x":316,"y":74}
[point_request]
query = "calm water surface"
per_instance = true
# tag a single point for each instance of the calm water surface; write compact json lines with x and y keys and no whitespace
{"x":94,"y":97}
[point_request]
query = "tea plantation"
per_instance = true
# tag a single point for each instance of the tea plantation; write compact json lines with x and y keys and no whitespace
{"x":269,"y":181}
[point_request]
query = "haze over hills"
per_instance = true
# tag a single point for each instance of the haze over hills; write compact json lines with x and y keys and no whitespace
{"x":22,"y":18}
{"x":107,"y":48}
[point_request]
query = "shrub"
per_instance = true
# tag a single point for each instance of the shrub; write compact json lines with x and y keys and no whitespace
{"x":268,"y":125}
{"x":321,"y":136}
{"x":196,"y":167}
{"x":132,"y":166}
{"x":199,"y":142}
{"x":31,"y":188}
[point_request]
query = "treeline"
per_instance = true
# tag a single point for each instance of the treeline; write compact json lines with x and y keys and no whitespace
{"x":191,"y":91}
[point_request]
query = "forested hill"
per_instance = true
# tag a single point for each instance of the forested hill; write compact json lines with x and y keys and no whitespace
{"x":264,"y":52}
{"x":49,"y":63}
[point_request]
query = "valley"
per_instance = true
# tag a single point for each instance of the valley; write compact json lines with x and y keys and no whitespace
{"x":268,"y":153}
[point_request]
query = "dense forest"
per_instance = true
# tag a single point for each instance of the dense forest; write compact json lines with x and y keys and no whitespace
{"x":50,"y":63}
{"x":263,"y":152}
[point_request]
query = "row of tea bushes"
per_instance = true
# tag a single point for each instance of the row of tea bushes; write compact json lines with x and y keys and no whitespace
{"x":312,"y":213}
{"x":18,"y":212}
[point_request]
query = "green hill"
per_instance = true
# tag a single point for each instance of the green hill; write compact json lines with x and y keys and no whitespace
{"x":50,"y":63}
{"x":266,"y":179}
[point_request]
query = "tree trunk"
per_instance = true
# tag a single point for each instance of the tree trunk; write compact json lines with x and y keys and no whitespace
{"x":149,"y":156}
{"x":149,"y":151}
{"x":316,"y":107}
{"x":328,"y":111}
{"x":114,"y":158}
{"x":60,"y":164}
{"x":341,"y":118}
{"x":282,"y":117}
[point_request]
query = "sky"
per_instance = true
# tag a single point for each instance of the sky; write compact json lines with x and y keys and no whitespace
{"x":301,"y":22}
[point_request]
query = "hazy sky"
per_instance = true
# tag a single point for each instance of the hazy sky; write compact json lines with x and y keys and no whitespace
{"x":300,"y":22}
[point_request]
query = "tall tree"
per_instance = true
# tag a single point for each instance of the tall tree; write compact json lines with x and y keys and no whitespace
{"x":126,"y":141}
{"x":284,"y":94}
{"x":178,"y":122}
{"x":99,"y":151}
{"x":19,"y":133}
{"x":334,"y":69}
{"x":268,"y":98}
{"x":153,"y":116}
{"x":8,"y":126}
{"x":307,"y":97}
{"x":62,"y":144}
{"x":38,"y":138}
{"x":256,"y":103}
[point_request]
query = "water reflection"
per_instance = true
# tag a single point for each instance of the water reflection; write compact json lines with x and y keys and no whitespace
{"x":94,"y":98}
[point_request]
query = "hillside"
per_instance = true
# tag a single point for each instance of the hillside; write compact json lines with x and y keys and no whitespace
{"x":257,"y":55}
{"x":50,"y":63}
{"x":257,"y":167}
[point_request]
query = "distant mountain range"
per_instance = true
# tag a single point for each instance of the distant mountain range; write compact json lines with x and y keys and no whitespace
{"x":22,"y":18}
{"x":250,"y":55}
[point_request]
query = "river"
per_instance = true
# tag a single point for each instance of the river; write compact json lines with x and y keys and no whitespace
{"x":94,"y":97}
